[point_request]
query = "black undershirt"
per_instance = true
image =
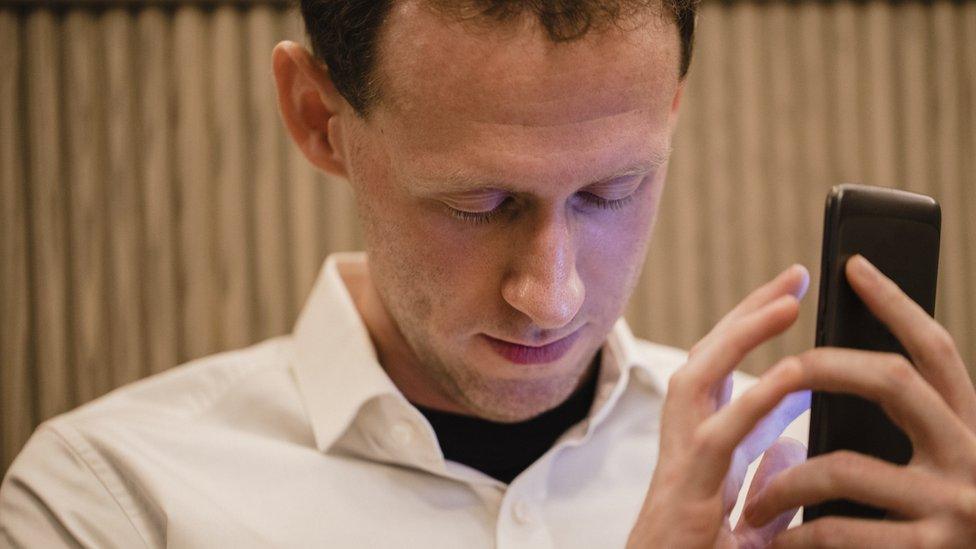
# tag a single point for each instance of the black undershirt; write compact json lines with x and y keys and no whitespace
{"x":503,"y":450}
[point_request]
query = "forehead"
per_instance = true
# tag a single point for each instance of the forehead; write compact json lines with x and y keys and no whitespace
{"x":450,"y":86}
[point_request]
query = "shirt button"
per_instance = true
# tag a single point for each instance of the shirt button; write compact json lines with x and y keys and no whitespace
{"x":402,"y":433}
{"x":522,"y":512}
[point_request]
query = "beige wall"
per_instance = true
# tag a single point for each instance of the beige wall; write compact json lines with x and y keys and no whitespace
{"x":153,"y":210}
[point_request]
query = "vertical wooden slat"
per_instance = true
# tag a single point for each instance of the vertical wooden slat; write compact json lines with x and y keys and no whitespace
{"x":812,"y":171}
{"x":48,"y":215}
{"x":270,"y":195}
{"x":231,"y":164}
{"x":157,"y":186}
{"x":967,"y":36}
{"x":947,"y":137}
{"x":124,"y":205}
{"x":751,"y":201}
{"x":718,"y":195}
{"x":913,"y":164}
{"x":89,"y":233}
{"x":779,"y":183}
{"x":306,"y":206}
{"x":194,"y":149}
{"x":16,"y":406}
{"x":748,"y":152}
{"x":843,"y":48}
{"x":876,"y":100}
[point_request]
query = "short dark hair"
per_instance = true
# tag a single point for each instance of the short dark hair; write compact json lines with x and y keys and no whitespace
{"x":343,"y":33}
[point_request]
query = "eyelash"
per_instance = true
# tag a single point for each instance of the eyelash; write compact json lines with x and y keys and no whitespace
{"x":479,"y":218}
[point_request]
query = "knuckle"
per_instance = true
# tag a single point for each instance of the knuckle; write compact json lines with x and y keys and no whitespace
{"x":846,"y":460}
{"x":734,"y":343}
{"x":941,"y":343}
{"x":838,"y":466}
{"x":811,"y":356}
{"x":678,"y":382}
{"x":776,"y":487}
{"x":705,"y":443}
{"x":792,"y":369}
{"x":899,"y":373}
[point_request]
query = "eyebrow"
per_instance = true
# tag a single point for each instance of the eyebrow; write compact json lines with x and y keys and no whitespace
{"x":461,"y":181}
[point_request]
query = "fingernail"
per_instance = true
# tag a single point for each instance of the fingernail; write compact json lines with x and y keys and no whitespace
{"x":805,"y":285}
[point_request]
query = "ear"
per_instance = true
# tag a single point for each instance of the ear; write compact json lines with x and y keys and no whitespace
{"x":310,"y":106}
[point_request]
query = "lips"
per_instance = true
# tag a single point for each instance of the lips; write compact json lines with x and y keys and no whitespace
{"x":527,"y":354}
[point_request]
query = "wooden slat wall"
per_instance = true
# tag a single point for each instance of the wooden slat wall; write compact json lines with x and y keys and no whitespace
{"x":154,"y":211}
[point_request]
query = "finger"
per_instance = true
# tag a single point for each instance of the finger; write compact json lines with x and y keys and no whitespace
{"x":889,"y":380}
{"x":927,"y":342}
{"x":774,"y":423}
{"x":781,"y":456}
{"x":908,"y":492}
{"x":847,"y":532}
{"x":718,"y":359}
{"x":794,"y":280}
{"x":719,"y":434}
{"x":763,"y":435}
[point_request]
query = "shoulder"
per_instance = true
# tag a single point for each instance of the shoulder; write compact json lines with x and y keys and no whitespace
{"x":237,"y":391}
{"x":92,"y":470}
{"x":189,"y":388}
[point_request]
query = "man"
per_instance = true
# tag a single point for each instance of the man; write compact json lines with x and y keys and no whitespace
{"x":471,"y":383}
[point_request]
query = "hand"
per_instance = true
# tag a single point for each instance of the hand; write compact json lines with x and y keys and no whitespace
{"x":707,"y":445}
{"x":935,"y":494}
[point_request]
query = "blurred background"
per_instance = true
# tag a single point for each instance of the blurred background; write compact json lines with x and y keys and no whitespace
{"x":154,"y":211}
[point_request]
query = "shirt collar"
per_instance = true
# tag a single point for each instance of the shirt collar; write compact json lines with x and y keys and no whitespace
{"x":338,"y":373}
{"x":335,"y":362}
{"x":626,"y":359}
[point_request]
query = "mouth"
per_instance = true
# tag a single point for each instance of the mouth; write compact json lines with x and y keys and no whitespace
{"x":532,"y":354}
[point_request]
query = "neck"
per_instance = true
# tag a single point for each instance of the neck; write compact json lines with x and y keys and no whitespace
{"x":395,"y":355}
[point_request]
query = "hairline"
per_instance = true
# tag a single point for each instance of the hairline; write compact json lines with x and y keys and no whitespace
{"x":375,"y":82}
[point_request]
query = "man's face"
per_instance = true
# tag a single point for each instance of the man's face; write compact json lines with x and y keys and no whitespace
{"x":507,"y":187}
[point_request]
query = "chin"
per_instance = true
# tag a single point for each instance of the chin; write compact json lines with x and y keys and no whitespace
{"x":509,"y":393}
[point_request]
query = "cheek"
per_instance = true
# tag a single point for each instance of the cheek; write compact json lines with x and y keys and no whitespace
{"x":437,"y":272}
{"x":612,"y":254}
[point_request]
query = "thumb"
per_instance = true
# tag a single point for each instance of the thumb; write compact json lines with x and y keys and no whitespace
{"x":783,"y":454}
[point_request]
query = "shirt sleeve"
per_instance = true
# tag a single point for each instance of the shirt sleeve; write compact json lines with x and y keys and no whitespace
{"x":52,"y":497}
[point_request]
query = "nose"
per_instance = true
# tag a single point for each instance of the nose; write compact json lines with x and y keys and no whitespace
{"x":544,"y":283}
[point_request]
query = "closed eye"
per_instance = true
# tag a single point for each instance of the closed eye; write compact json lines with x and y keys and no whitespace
{"x":605,"y":203}
{"x":479,"y":218}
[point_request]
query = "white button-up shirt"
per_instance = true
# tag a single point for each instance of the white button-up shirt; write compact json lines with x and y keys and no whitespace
{"x":304,"y":441}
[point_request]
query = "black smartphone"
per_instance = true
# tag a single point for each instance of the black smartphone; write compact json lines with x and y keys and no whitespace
{"x":898,"y":232}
